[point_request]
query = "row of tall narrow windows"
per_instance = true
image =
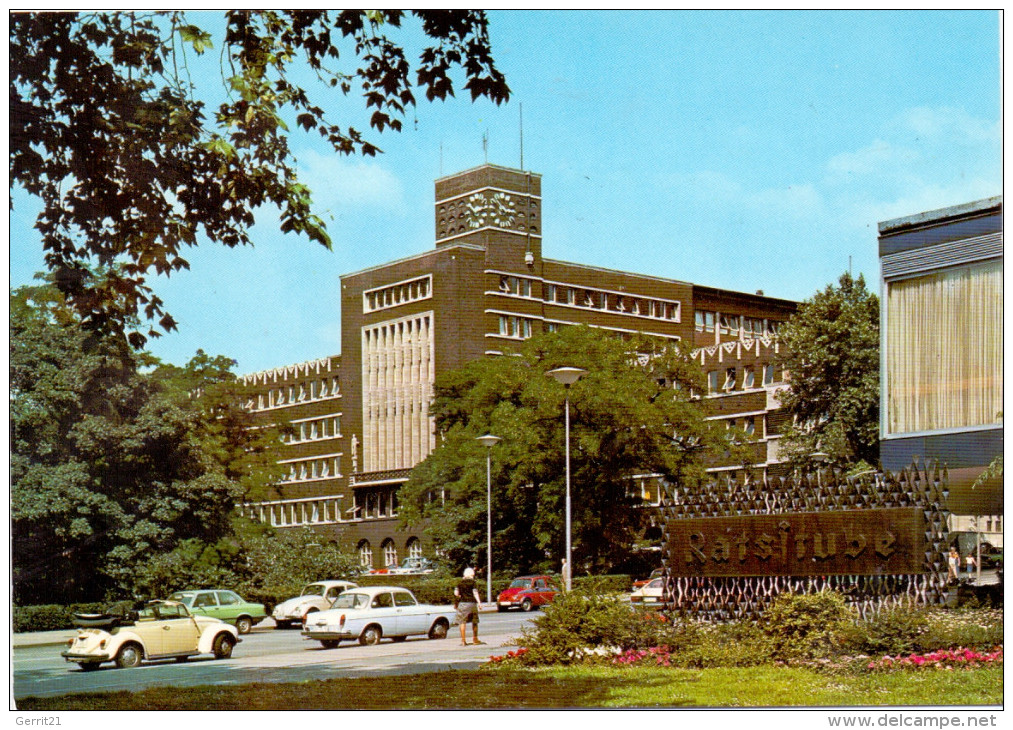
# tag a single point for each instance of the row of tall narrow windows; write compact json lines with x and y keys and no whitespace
{"x":735,"y":324}
{"x":327,"y":427}
{"x":298,"y":512}
{"x":612,"y":302}
{"x":305,"y":470}
{"x":388,"y":548}
{"x":302,"y":392}
{"x":517,"y":327}
{"x":742,"y":378}
{"x":397,"y":294}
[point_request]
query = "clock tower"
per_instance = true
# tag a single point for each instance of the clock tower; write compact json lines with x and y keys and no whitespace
{"x":498,"y":208}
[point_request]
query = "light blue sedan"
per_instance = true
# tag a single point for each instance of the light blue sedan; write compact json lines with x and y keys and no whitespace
{"x":377,"y":612}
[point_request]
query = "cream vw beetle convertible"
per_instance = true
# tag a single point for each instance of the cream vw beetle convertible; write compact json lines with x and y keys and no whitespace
{"x":314,"y":597}
{"x":162,"y":630}
{"x":377,"y":612}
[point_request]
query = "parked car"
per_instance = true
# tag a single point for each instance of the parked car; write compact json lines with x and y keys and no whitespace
{"x":652,"y":592}
{"x":377,"y":612}
{"x":527,"y":593}
{"x":314,"y":597}
{"x":225,"y":605}
{"x":413,"y":566}
{"x":656,"y":573}
{"x":162,"y":630}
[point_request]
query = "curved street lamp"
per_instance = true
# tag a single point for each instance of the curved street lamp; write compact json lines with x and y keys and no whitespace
{"x":488,"y":441}
{"x":567,"y":376}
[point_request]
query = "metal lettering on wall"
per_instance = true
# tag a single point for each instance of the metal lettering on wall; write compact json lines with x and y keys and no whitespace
{"x":852,"y":542}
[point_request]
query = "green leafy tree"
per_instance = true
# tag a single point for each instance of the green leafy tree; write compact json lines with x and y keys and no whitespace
{"x":109,"y":465}
{"x":261,"y":563}
{"x":830,"y":348}
{"x":108,"y":131}
{"x":632,"y":413}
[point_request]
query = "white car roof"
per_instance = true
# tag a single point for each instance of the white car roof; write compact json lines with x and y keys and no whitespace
{"x":373,"y":590}
{"x":330,"y":583}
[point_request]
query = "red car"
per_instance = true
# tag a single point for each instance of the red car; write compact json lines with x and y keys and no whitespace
{"x":527,"y":593}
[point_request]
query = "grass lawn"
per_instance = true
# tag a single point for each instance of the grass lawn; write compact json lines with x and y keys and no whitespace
{"x":567,"y":687}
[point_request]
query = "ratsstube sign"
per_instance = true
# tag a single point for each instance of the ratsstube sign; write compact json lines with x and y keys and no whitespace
{"x":847,"y":542}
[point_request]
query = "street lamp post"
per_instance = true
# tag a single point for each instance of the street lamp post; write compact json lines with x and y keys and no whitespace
{"x":567,"y":376}
{"x":488,"y":441}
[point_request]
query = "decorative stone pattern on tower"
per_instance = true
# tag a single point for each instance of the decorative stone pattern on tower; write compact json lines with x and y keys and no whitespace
{"x":488,"y":198}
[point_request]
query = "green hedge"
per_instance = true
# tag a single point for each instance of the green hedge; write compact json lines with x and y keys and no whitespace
{"x":50,"y":617}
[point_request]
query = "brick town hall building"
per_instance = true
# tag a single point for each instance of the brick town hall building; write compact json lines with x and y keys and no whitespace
{"x":361,"y":419}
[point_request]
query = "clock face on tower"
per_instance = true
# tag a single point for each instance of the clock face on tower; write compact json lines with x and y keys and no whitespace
{"x":493,"y":210}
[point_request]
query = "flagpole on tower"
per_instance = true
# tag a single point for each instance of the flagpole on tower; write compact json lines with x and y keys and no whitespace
{"x":521,"y":118}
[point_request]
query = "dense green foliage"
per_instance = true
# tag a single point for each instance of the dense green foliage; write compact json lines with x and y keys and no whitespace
{"x":115,"y":459}
{"x":111,"y":132}
{"x":630,"y":414}
{"x":261,"y":564}
{"x":586,"y":620}
{"x":591,"y":626}
{"x":806,"y":625}
{"x":830,"y":348}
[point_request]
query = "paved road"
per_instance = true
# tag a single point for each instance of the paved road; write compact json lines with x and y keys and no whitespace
{"x":268,"y":655}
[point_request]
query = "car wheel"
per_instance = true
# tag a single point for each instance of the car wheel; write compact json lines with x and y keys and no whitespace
{"x":244,"y":624}
{"x":370,"y":635}
{"x":501,"y":609}
{"x":223,"y":645}
{"x":330,"y":643}
{"x":439,"y":630}
{"x":88,"y":666}
{"x":527,"y":605}
{"x":129,"y":656}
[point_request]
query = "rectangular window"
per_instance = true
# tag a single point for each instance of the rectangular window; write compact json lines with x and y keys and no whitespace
{"x":768,"y":374}
{"x":712,"y":381}
{"x":944,"y":355}
{"x":729,"y":379}
{"x":550,"y":293}
{"x":747,"y":379}
{"x":729,"y":324}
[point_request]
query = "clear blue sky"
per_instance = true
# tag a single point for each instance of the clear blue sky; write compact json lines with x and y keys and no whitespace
{"x":744,"y":150}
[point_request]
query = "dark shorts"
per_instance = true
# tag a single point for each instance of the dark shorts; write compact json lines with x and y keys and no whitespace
{"x":467,"y":612}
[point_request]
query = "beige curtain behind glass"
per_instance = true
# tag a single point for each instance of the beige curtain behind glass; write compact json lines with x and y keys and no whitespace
{"x":944,"y":349}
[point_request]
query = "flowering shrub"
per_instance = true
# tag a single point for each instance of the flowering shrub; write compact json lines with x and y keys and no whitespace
{"x":510,"y":655}
{"x":659,"y":656}
{"x":942,"y":659}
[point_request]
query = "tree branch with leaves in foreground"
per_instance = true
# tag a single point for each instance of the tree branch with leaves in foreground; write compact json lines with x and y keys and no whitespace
{"x":108,"y":131}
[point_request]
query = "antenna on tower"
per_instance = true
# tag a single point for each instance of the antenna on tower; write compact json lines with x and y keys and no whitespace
{"x":522,"y":133}
{"x":485,"y":146}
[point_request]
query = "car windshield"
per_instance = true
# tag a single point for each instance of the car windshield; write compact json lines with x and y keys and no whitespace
{"x":184,"y":598}
{"x":314,"y":589}
{"x":520,"y":583}
{"x":351,"y":600}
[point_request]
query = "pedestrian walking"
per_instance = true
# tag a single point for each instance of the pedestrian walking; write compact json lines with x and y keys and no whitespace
{"x":466,"y":600}
{"x":953,"y":563}
{"x":972,"y":564}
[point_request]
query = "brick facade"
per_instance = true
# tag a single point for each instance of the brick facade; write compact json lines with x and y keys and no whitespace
{"x":482,"y":290}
